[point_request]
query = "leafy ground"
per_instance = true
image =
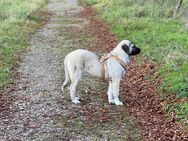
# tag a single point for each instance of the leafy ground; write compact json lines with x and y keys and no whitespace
{"x":140,"y":94}
{"x":34,"y":108}
{"x":163,"y":40}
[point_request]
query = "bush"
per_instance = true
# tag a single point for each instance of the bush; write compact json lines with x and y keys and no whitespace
{"x":142,"y":12}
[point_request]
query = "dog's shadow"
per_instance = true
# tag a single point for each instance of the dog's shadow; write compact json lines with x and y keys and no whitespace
{"x":91,"y":89}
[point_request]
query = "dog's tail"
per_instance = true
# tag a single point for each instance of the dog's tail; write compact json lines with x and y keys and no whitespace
{"x":66,"y":74}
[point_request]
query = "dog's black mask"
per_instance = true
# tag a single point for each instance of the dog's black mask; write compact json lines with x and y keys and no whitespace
{"x":135,"y":50}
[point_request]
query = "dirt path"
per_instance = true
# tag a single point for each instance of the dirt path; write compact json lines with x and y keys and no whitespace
{"x":38,"y":109}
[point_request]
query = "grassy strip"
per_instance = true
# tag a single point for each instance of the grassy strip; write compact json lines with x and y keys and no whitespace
{"x":162,"y":39}
{"x":17,"y":20}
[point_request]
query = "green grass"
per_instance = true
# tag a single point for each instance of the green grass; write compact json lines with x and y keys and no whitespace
{"x":17,"y":20}
{"x":161,"y":38}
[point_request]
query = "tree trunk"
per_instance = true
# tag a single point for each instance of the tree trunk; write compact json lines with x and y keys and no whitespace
{"x":177,"y":8}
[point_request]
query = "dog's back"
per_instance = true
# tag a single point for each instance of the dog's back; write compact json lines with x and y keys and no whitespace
{"x":81,"y":54}
{"x":80,"y":61}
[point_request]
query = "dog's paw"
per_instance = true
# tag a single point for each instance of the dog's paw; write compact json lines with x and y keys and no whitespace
{"x":111,"y":101}
{"x":118,"y":103}
{"x":77,"y":98}
{"x":76,"y":101}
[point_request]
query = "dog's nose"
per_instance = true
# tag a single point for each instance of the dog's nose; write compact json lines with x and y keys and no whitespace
{"x":135,"y":50}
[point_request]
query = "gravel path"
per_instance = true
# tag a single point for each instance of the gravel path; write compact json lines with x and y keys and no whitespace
{"x":38,"y":88}
{"x":40,"y":111}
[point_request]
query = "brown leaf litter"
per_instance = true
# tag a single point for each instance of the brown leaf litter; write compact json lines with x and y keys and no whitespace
{"x":140,"y":95}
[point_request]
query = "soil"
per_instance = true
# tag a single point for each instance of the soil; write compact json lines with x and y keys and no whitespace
{"x":34,"y":108}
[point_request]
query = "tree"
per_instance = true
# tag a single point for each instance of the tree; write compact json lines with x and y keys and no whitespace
{"x":177,"y":8}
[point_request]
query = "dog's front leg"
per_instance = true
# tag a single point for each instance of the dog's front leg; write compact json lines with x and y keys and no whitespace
{"x":110,"y":93}
{"x":115,"y":86}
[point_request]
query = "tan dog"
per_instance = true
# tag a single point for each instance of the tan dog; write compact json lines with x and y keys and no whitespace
{"x":80,"y":61}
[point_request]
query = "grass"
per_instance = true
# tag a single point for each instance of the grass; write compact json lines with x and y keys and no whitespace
{"x":17,"y":20}
{"x":161,"y":38}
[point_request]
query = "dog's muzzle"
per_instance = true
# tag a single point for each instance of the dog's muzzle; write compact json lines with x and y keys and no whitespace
{"x":135,"y":50}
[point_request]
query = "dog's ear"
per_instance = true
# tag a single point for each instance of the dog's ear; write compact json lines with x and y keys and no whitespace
{"x":125,"y":48}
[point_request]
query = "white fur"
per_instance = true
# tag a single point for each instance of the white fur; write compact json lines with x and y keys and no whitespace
{"x":80,"y":61}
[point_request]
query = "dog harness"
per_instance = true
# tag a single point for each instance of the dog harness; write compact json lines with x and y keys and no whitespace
{"x":103,"y":60}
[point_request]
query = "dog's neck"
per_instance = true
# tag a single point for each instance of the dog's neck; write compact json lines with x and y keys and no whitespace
{"x":121,"y":54}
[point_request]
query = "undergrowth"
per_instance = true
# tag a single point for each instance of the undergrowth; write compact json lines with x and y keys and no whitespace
{"x":17,"y":20}
{"x":161,"y":38}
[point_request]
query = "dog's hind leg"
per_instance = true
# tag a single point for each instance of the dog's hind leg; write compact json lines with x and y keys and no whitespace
{"x":74,"y":98}
{"x":75,"y":77}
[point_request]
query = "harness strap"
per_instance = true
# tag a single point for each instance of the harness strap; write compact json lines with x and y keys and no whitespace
{"x":103,"y":71}
{"x":106,"y":57}
{"x":119,"y":61}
